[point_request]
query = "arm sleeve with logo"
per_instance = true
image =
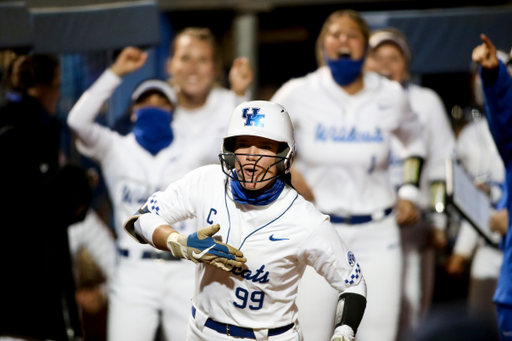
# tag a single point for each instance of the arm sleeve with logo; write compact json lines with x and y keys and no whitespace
{"x":94,"y":139}
{"x":326,"y":252}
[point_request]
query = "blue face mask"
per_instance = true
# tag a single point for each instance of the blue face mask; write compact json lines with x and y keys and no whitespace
{"x":153,"y":129}
{"x":345,"y":70}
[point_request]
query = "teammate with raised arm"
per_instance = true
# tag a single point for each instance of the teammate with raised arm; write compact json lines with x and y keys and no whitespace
{"x":344,"y":121}
{"x":497,"y":86}
{"x":135,"y":166}
{"x":246,"y":288}
{"x":203,"y":106}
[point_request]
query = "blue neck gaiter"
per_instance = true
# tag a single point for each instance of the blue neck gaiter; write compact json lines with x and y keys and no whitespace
{"x":153,"y":129}
{"x":257,"y":198}
{"x":345,"y":70}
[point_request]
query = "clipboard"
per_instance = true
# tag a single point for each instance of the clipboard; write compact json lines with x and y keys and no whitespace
{"x":473,"y":204}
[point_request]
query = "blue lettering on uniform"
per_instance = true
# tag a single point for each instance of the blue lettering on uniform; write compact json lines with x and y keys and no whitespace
{"x":252,"y":119}
{"x":136,"y":195}
{"x":345,"y":135}
{"x":209,"y":220}
{"x":247,"y":274}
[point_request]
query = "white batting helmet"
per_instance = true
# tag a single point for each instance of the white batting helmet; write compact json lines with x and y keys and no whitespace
{"x":262,"y":119}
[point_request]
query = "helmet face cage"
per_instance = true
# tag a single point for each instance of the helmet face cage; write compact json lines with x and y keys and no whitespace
{"x":229,"y":162}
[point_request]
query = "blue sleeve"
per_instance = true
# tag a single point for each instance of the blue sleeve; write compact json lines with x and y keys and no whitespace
{"x":498,"y":99}
{"x":502,"y":203}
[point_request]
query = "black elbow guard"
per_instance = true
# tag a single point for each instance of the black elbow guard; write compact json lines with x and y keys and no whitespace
{"x":350,"y":310}
{"x":129,"y":225}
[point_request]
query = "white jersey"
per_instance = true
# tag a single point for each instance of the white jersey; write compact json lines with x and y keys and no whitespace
{"x":278,"y":240}
{"x":96,"y":237}
{"x":479,"y":155}
{"x":203,"y":129}
{"x":131,"y":173}
{"x":343,"y":141}
{"x":440,"y":140}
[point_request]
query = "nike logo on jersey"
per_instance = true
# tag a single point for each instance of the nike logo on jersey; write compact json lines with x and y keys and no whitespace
{"x":384,"y":106}
{"x":277,"y":239}
{"x":205,"y":251}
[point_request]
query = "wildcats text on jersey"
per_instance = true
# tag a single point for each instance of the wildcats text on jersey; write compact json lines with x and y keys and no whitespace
{"x":247,"y":274}
{"x":335,"y":134}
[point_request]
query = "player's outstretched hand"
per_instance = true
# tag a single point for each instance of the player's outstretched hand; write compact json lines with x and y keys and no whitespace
{"x":343,"y":333}
{"x":240,"y":75}
{"x":200,"y":247}
{"x":406,"y":212}
{"x":129,"y":60}
{"x":485,"y":54}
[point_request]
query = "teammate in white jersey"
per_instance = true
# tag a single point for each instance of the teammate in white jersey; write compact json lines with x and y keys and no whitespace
{"x":147,"y":284}
{"x":203,"y":106}
{"x":390,"y":56}
{"x":344,"y":122}
{"x":272,"y":232}
{"x":478,"y":153}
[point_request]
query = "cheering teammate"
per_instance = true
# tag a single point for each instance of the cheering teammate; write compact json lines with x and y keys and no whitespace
{"x":204,"y":107}
{"x":390,"y":56}
{"x":135,"y":166}
{"x":344,"y":123}
{"x":248,"y":203}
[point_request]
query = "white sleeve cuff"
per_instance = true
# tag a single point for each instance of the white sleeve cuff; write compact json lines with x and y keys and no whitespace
{"x":146,"y":225}
{"x":409,"y":192}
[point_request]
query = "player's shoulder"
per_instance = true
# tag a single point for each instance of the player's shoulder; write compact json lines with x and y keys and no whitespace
{"x":383,"y":85}
{"x":422,"y":93}
{"x":474,"y":130}
{"x":209,"y":172}
{"x":306,"y":214}
{"x":297,"y":88}
{"x":222,"y":92}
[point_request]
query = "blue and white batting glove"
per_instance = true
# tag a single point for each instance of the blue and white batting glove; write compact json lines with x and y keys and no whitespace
{"x":200,"y":247}
{"x":343,"y":333}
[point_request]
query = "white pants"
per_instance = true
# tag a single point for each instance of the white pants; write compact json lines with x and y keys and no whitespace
{"x":486,"y":263}
{"x":198,"y":332}
{"x":145,"y":290}
{"x":376,"y":246}
{"x":418,"y":275}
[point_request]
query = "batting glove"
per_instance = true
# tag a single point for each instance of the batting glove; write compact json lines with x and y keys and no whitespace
{"x":200,"y":247}
{"x":343,"y":333}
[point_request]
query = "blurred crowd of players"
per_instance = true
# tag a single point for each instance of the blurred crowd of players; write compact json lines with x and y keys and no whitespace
{"x":47,"y":200}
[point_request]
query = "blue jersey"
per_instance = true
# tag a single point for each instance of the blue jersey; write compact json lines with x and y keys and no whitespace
{"x":499,"y":114}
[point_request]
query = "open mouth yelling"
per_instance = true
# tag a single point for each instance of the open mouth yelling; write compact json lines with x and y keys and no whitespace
{"x":343,"y":53}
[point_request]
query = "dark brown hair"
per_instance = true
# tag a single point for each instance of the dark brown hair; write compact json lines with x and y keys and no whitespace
{"x":35,"y":70}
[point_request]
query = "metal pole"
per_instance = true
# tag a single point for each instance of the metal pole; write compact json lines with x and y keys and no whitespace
{"x":246,"y":43}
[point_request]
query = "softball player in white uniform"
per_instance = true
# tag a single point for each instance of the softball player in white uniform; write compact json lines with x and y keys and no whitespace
{"x":344,"y":123}
{"x":146,"y":283}
{"x":390,"y":56}
{"x":479,"y":155}
{"x":271,"y":234}
{"x":204,"y":108}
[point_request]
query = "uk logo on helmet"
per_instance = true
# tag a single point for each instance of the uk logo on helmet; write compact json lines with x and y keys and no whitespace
{"x":254,"y":118}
